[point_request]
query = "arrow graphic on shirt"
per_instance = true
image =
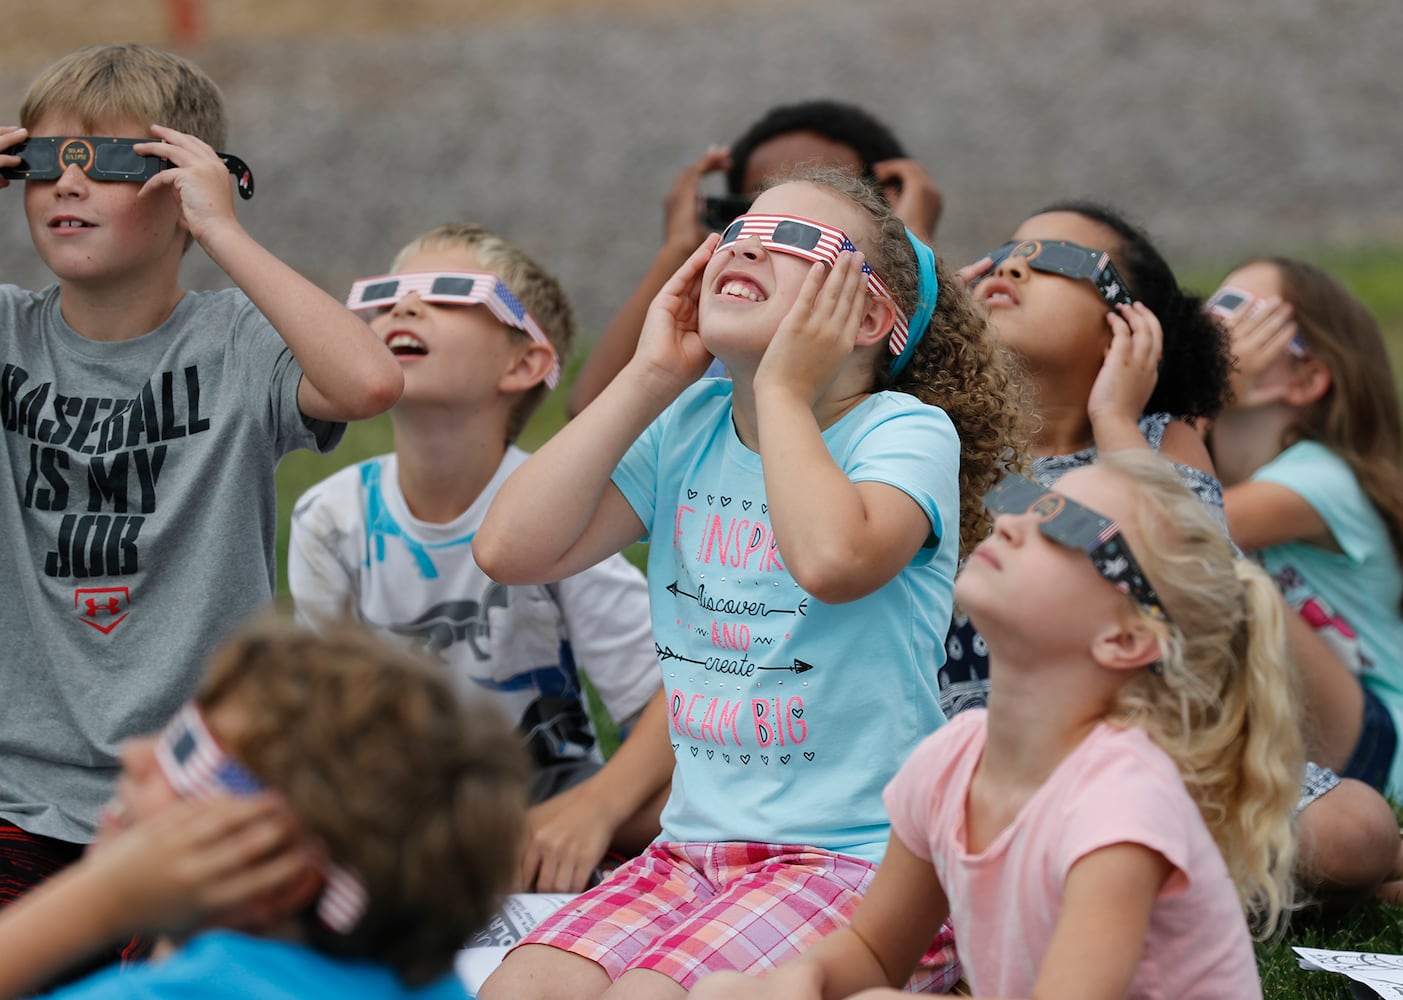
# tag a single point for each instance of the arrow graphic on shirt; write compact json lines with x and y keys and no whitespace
{"x":799,"y":667}
{"x":802,"y":609}
{"x":665,"y":653}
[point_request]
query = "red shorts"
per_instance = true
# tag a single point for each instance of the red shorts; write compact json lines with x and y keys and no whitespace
{"x":686,"y":910}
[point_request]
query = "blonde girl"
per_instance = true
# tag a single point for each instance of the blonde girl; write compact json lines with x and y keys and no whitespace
{"x":1099,"y":829}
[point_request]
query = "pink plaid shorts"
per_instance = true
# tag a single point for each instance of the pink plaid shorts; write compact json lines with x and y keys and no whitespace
{"x":688,"y":909}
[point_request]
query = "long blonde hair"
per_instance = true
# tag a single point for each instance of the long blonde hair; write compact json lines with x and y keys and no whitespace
{"x":1223,"y":701}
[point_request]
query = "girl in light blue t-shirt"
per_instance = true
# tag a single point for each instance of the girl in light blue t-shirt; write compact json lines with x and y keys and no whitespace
{"x":805,"y":519}
{"x":1311,"y":459}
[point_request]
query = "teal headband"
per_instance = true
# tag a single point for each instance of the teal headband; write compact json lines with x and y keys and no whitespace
{"x":927,"y":291}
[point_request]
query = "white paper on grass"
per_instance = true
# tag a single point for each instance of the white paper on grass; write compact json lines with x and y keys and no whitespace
{"x":520,"y":913}
{"x":1381,"y":973}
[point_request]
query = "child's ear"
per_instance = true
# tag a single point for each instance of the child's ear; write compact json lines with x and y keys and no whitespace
{"x":1131,"y":643}
{"x":533,"y":363}
{"x":1308,"y":383}
{"x":877,"y":321}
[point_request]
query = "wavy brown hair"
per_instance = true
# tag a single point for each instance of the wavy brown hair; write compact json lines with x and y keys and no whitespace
{"x":421,"y":796}
{"x":1358,"y":417}
{"x":958,"y":365}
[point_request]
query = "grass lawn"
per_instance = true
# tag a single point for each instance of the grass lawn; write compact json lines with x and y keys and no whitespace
{"x":1375,"y":275}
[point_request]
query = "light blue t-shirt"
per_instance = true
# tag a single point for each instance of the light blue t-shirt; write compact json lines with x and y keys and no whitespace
{"x":223,"y":965}
{"x":788,"y":715}
{"x":1360,"y":584}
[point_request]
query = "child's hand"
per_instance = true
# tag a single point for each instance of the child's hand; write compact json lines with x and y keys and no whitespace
{"x":235,"y":861}
{"x":567,"y":836}
{"x":10,"y":135}
{"x":669,"y":346}
{"x":912,"y":193}
{"x":811,"y":344}
{"x":971,"y":273}
{"x":681,"y":219}
{"x":198,"y":177}
{"x":1260,"y":334}
{"x":1130,"y":369}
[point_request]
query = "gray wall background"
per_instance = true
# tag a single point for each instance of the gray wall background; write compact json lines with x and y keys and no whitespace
{"x":1224,"y":127}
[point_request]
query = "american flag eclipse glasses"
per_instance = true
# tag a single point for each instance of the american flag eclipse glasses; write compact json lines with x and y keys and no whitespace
{"x":815,"y":242}
{"x":455,"y":288}
{"x":198,"y":767}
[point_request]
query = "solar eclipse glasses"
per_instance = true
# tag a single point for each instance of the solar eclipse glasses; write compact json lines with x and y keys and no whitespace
{"x":102,"y":158}
{"x":456,"y":288}
{"x":815,"y":242}
{"x":1070,"y":260}
{"x":1070,"y":524}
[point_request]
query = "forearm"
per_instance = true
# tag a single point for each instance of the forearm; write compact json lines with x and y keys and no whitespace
{"x":538,"y":528}
{"x":53,"y":927}
{"x":352,"y":373}
{"x":1117,"y":432}
{"x":639,"y":768}
{"x":617,"y":343}
{"x":817,"y":514}
{"x":840,"y":964}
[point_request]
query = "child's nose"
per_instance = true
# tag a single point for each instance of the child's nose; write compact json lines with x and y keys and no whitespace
{"x":749,"y":247}
{"x":1009,"y":526}
{"x":1012,"y":268}
{"x":410,"y":305}
{"x":72,"y":180}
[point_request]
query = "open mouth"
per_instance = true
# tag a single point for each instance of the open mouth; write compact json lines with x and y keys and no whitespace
{"x":403,"y":344}
{"x":741,"y":288}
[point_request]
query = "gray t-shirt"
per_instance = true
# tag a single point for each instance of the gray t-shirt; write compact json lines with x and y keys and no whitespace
{"x":139,"y":530}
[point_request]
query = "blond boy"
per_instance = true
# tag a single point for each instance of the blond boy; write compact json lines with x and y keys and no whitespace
{"x":141,"y":426}
{"x":480,"y":330}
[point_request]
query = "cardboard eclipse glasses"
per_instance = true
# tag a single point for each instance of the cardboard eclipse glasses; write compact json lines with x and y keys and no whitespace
{"x":1070,"y":260}
{"x":458,"y":288}
{"x":816,"y":242}
{"x":198,"y":767}
{"x":102,"y":159}
{"x":1068,"y":523}
{"x":1228,"y":302}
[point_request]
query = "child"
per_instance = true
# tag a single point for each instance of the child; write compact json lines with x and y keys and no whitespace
{"x":809,"y":133}
{"x":480,"y":330}
{"x":391,"y":829}
{"x":142,"y":424}
{"x":1311,"y":455}
{"x":806,"y":518}
{"x":1116,"y":355}
{"x":1142,"y":731}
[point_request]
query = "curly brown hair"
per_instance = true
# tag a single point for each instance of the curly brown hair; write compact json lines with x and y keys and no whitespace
{"x":419,"y":794}
{"x":958,"y":365}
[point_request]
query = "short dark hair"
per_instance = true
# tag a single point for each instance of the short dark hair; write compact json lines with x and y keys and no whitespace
{"x":845,"y":123}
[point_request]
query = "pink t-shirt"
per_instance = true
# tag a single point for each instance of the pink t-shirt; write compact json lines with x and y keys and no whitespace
{"x":1116,"y":787}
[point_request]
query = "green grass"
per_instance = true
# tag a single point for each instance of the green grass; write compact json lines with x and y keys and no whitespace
{"x":1369,"y":927}
{"x":1372,"y":274}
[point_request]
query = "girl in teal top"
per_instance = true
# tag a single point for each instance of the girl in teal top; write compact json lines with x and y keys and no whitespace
{"x":1311,"y":458}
